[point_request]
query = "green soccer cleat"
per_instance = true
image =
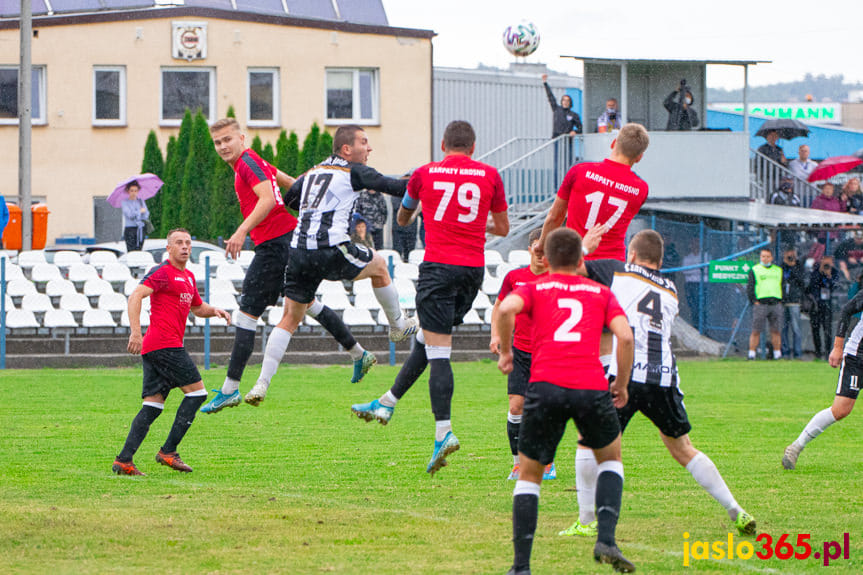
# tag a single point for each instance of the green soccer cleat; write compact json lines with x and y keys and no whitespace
{"x":373,"y":411}
{"x":363,"y":365}
{"x":579,"y":529}
{"x":745,"y":523}
{"x":221,"y":401}
{"x":441,"y":450}
{"x":611,"y":555}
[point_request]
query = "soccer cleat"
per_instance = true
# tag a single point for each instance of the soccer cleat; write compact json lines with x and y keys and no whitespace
{"x":441,"y":450}
{"x":257,"y":394}
{"x":513,"y":475}
{"x":550,"y":472}
{"x":514,"y":571}
{"x":373,"y":411}
{"x":221,"y":401}
{"x":173,"y":461}
{"x":580,"y":529}
{"x":412,"y":325}
{"x":789,"y":458}
{"x":125,"y":468}
{"x":363,"y":365}
{"x":611,"y":555}
{"x":745,"y":523}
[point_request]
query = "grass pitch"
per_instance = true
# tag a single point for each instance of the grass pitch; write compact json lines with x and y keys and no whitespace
{"x":299,"y":485}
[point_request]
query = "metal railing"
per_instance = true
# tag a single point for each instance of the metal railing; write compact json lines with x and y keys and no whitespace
{"x":765,"y":175}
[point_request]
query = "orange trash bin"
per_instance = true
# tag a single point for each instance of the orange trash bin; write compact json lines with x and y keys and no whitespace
{"x":12,"y":233}
{"x":40,"y":225}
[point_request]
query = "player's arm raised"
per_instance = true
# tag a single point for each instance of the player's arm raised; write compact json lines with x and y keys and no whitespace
{"x":206,"y":310}
{"x":134,"y":308}
{"x":503,"y":320}
{"x":619,"y":326}
{"x":553,"y":220}
{"x":266,"y":202}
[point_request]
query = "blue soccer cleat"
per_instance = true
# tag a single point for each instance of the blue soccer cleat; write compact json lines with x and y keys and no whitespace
{"x":373,"y":411}
{"x":221,"y":401}
{"x":550,"y":472}
{"x":441,"y":450}
{"x":363,"y":365}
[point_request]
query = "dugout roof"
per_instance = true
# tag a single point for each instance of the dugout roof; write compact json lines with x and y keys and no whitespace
{"x":758,"y":214}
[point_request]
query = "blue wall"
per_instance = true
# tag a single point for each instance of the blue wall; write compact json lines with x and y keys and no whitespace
{"x":823,"y":142}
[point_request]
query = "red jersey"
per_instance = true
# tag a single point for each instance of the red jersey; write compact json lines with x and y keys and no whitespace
{"x":250,"y":170}
{"x":569,"y":313}
{"x":174,"y":294}
{"x":606,"y":192}
{"x":523,"y":336}
{"x":457,"y":194}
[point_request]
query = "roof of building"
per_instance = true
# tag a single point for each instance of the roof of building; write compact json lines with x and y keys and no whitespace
{"x":765,"y":215}
{"x":600,"y":60}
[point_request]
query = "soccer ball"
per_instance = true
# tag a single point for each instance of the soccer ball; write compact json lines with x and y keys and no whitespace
{"x":521,"y":39}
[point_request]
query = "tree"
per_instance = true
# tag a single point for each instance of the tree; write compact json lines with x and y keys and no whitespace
{"x":197,"y":175}
{"x":174,"y":171}
{"x":257,"y":145}
{"x":287,"y":153}
{"x":231,"y":113}
{"x":153,"y":164}
{"x":310,"y":149}
{"x":325,"y":147}
{"x":268,"y":154}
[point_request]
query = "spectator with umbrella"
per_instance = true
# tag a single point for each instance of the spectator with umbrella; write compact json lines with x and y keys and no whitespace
{"x":773,"y":130}
{"x":130,"y":196}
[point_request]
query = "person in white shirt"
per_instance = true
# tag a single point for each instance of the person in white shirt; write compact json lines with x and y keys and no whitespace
{"x":802,"y":166}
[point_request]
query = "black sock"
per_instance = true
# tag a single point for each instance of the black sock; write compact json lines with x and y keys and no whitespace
{"x":512,"y":432}
{"x":440,"y":388}
{"x":525,"y":508}
{"x":609,"y":489}
{"x":244,"y":344}
{"x":412,"y":369}
{"x":331,"y":322}
{"x":185,"y":416}
{"x":137,"y":433}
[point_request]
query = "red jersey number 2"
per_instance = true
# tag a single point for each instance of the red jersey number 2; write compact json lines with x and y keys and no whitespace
{"x":565,"y":331}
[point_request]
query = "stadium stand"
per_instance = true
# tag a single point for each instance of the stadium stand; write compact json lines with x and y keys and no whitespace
{"x":65,"y":258}
{"x":100,"y":258}
{"x":245,"y":258}
{"x":355,"y":317}
{"x":59,"y":287}
{"x":29,"y":259}
{"x":335,"y":300}
{"x":329,"y":286}
{"x":481,"y":302}
{"x":416,"y":256}
{"x":116,"y":273}
{"x":493,"y":258}
{"x":216,"y":258}
{"x":222,"y":285}
{"x":124,"y":318}
{"x":59,"y":318}
{"x":80,"y":273}
{"x":20,"y":287}
{"x":519,"y":258}
{"x":231,"y":272}
{"x":94,"y":319}
{"x":21,"y":319}
{"x":139,"y":261}
{"x":42,"y":273}
{"x":409,"y":271}
{"x":397,"y":258}
{"x":96,"y":287}
{"x":366,"y":300}
{"x":362,"y":286}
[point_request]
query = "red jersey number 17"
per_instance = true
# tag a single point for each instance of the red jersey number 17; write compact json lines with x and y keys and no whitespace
{"x":595,"y":201}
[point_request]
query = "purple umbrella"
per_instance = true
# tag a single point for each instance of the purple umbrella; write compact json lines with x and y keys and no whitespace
{"x":150,"y":184}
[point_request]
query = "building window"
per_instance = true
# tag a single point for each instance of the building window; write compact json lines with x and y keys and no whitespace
{"x":109,"y":96}
{"x":263,"y":97}
{"x":9,"y":95}
{"x":187,"y":88}
{"x":352,"y":96}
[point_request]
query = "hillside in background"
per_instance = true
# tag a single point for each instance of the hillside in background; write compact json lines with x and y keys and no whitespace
{"x":822,"y":89}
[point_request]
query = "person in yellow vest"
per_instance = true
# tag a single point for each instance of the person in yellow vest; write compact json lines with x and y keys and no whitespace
{"x":765,"y":294}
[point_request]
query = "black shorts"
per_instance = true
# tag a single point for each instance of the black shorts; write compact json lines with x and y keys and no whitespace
{"x":265,"y":275}
{"x":445,"y":293}
{"x":516,"y":381}
{"x":165,"y":369}
{"x":547,"y":410}
{"x":661,"y":405}
{"x":849,"y":377}
{"x":307,"y":268}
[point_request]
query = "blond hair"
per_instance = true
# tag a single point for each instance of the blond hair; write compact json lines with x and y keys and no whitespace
{"x":224,"y":123}
{"x":632,"y":140}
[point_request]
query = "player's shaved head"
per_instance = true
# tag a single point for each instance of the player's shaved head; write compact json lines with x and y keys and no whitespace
{"x":632,"y":141}
{"x":178,"y":231}
{"x":345,"y":136}
{"x":459,"y":136}
{"x":563,"y":248}
{"x":647,"y":245}
{"x":225,"y":123}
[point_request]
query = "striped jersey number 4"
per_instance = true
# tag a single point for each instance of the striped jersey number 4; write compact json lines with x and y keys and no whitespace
{"x":468,"y":196}
{"x":576,"y":311}
{"x":595,"y":200}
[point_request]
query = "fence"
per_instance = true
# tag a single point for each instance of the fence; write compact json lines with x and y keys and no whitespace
{"x":766,"y":175}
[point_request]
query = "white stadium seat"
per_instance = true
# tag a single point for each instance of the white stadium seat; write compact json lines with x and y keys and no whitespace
{"x":10,"y":304}
{"x":214,"y":321}
{"x":274,"y":315}
{"x":196,"y":270}
{"x":79,"y":273}
{"x":487,"y":315}
{"x":404,"y":286}
{"x":353,"y":316}
{"x":329,"y":286}
{"x":43,"y":273}
{"x":59,"y":318}
{"x":503,"y":269}
{"x":20,"y":287}
{"x":472,"y":318}
{"x":408,"y":300}
{"x":98,"y":318}
{"x":481,"y":301}
{"x":65,"y":258}
{"x":366,"y":300}
{"x":491,"y":285}
{"x":124,"y":318}
{"x":225,"y":301}
{"x":30,"y":258}
{"x":59,"y":287}
{"x":74,"y":302}
{"x":397,"y":258}
{"x":231,"y":272}
{"x":116,"y":272}
{"x":519,"y":258}
{"x":130,"y":286}
{"x":20,"y":319}
{"x":363,"y":286}
{"x":335,"y":300}
{"x":216,"y":258}
{"x":112,"y":302}
{"x":310,"y":321}
{"x":100,"y":258}
{"x":493,"y":258}
{"x":245,"y":258}
{"x":416,"y":256}
{"x":36,"y":302}
{"x":13,"y":272}
{"x":139,"y":260}
{"x":222,"y":285}
{"x":96,"y":287}
{"x":382,"y":318}
{"x":408,"y":271}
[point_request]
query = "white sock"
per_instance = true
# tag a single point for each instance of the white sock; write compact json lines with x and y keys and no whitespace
{"x":388,"y":297}
{"x":230,"y":386}
{"x":819,"y":422}
{"x":356,"y":352}
{"x":420,"y":337}
{"x":777,"y":354}
{"x":708,"y":477}
{"x":751,"y":354}
{"x":515,"y":460}
{"x":314,"y":309}
{"x":585,"y":485}
{"x":388,"y":399}
{"x":276,"y":346}
{"x":441,"y":428}
{"x":524,"y":487}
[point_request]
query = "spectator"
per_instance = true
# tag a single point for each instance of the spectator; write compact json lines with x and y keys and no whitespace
{"x":373,"y":208}
{"x":764,"y":289}
{"x":772,"y":150}
{"x":135,"y":213}
{"x":404,"y":237}
{"x":360,"y":234}
{"x":693,"y":278}
{"x":564,"y":119}
{"x":827,"y":201}
{"x":681,"y":114}
{"x":822,"y":281}
{"x":610,"y":118}
{"x":849,"y":254}
{"x":793,"y":290}
{"x":852,"y":197}
{"x":785,"y":195}
{"x":802,"y":166}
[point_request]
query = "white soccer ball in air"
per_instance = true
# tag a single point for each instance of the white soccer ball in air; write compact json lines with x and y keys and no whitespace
{"x":521,"y":39}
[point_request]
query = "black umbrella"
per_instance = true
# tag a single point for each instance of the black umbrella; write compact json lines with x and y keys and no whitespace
{"x":788,"y":129}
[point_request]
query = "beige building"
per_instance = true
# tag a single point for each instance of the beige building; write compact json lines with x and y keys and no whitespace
{"x":103,"y":80}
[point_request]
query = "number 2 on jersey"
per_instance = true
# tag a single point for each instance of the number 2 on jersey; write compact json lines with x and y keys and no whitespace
{"x":565,"y":331}
{"x":595,"y":201}
{"x":468,"y":197}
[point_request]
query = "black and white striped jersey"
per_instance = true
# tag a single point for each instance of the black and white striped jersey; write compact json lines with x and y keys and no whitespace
{"x":854,"y":342}
{"x":325,"y":197}
{"x":650,"y":303}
